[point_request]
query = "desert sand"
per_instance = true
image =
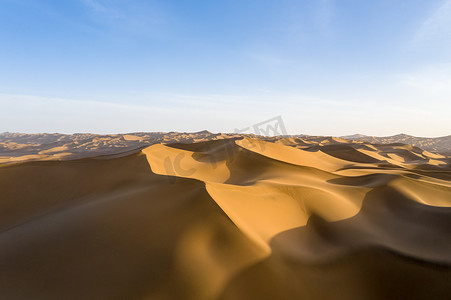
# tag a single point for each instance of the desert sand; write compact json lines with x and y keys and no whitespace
{"x":222,"y":216}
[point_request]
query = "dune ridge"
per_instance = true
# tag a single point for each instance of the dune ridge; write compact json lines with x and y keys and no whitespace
{"x":226,"y":217}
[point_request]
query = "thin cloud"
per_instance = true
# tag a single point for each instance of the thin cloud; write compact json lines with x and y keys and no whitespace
{"x":96,"y":6}
{"x":325,"y":15}
{"x":136,"y":17}
{"x":437,"y":25}
{"x":302,"y":20}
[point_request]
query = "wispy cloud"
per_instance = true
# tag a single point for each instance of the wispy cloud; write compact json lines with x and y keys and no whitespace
{"x":437,"y":26}
{"x":220,"y":113}
{"x":96,"y":6}
{"x":325,"y":14}
{"x":144,"y":18}
{"x":29,"y":113}
{"x":302,"y":20}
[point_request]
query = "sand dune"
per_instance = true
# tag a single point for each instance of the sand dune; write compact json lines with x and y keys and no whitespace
{"x":213,"y":216}
{"x":439,"y":144}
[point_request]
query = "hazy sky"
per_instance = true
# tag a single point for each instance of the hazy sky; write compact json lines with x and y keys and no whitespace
{"x":328,"y":67}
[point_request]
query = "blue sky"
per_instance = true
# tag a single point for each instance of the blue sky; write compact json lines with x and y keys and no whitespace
{"x":328,"y":67}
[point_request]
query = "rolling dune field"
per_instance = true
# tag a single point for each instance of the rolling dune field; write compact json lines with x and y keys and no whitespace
{"x":222,"y":216}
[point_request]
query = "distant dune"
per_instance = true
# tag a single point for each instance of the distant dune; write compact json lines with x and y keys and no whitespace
{"x":223,"y":216}
{"x":439,"y":144}
{"x":15,"y":147}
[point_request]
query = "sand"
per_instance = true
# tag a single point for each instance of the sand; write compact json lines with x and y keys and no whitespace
{"x":204,"y":216}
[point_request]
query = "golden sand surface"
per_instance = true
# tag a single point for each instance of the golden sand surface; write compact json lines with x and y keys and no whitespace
{"x":222,"y":216}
